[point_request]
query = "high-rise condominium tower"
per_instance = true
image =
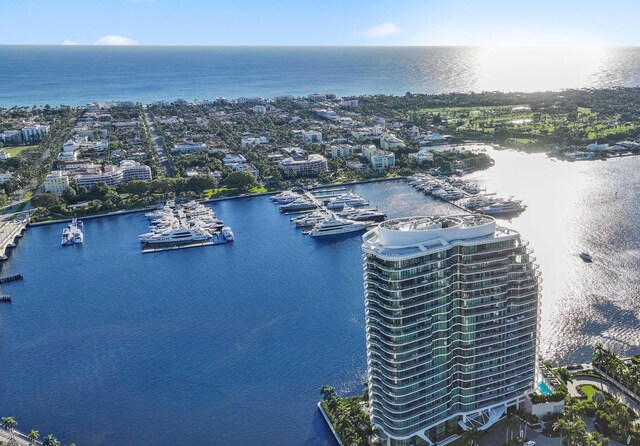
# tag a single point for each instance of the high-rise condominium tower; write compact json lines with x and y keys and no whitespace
{"x":452,"y":309}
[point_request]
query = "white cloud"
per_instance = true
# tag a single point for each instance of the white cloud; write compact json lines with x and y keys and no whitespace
{"x":385,"y":29}
{"x":115,"y":40}
{"x":70,"y":42}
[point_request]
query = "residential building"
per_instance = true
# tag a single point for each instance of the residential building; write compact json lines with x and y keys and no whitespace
{"x":342,"y":151}
{"x":356,"y":165}
{"x":132,"y":170}
{"x":248,"y":141}
{"x":312,"y":137}
{"x":390,"y":142}
{"x":34,"y":132}
{"x":317,"y":97}
{"x":259,"y":109}
{"x":313,"y":165}
{"x":4,"y":155}
{"x":5,"y":176}
{"x":379,"y":159}
{"x":452,"y":312}
{"x":233,"y":158}
{"x":189,"y":146}
{"x":367,"y":133}
{"x":349,"y":102}
{"x":294,"y":152}
{"x":112,"y":176}
{"x":56,"y":182}
{"x":423,"y":156}
{"x":245,"y":167}
{"x":11,"y":136}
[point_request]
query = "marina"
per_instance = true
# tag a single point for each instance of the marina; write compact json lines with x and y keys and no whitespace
{"x":328,"y":211}
{"x":72,"y":234}
{"x":466,"y":195}
{"x":183,"y":225}
{"x":127,"y":342}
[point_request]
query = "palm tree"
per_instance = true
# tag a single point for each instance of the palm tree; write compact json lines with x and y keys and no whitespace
{"x":510,"y":424}
{"x":471,"y":437}
{"x":50,"y":440}
{"x":328,"y":392}
{"x":9,"y":423}
{"x":33,"y":436}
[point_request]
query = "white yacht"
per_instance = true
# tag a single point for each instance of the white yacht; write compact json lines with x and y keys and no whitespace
{"x":503,"y":207}
{"x":179,"y":236}
{"x":363,"y":215}
{"x":227,"y":233}
{"x":349,"y":199}
{"x":72,"y":234}
{"x":336,"y":226}
{"x":300,"y":204}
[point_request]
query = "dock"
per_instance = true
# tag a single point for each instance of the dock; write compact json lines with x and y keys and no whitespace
{"x":217,"y":239}
{"x":5,"y":298}
{"x":9,"y":232}
{"x":12,"y":278}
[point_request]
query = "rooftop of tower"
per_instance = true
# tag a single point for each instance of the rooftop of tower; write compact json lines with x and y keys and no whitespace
{"x":412,"y":235}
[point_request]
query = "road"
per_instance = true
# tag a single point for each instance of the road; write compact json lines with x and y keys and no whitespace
{"x":160,"y":149}
{"x":496,"y":435}
{"x":602,"y":385}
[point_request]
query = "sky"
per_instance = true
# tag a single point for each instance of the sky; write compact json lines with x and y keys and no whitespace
{"x":320,"y":22}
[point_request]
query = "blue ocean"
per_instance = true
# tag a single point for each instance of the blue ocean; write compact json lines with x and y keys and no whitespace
{"x":75,"y":75}
{"x":229,"y":345}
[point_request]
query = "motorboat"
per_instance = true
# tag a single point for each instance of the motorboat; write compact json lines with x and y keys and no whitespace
{"x":586,"y":257}
{"x":227,"y":233}
{"x":336,"y":226}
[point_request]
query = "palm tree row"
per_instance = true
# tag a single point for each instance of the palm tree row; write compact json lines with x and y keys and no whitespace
{"x":9,"y":424}
{"x":349,"y":417}
{"x":626,"y":374}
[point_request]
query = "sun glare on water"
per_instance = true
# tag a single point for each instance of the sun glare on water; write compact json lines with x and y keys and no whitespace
{"x":543,"y":68}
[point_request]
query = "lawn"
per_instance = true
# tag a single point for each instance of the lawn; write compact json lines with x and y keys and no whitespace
{"x":589,"y":390}
{"x":16,"y":151}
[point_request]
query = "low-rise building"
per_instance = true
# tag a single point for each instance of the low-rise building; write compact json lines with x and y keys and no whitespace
{"x":245,"y":167}
{"x":248,"y":141}
{"x":56,"y":182}
{"x":126,"y":171}
{"x":578,"y":155}
{"x":5,"y":176}
{"x":34,"y":132}
{"x":349,"y":102}
{"x":312,"y":137}
{"x":189,"y":146}
{"x":356,"y":165}
{"x":4,"y":155}
{"x":259,"y":109}
{"x":233,"y":158}
{"x":132,"y":170}
{"x":11,"y":136}
{"x":423,"y":156}
{"x":313,"y":165}
{"x":342,"y":150}
{"x":390,"y":142}
{"x":379,"y":159}
{"x":295,"y":152}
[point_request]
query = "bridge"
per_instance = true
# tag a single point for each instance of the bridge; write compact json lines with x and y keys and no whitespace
{"x":10,"y":231}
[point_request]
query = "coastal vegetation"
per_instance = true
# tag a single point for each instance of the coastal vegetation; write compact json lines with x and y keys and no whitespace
{"x":348,"y":416}
{"x":9,"y":424}
{"x":626,"y":372}
{"x":530,"y":121}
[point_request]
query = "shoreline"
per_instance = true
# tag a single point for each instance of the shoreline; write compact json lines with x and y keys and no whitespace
{"x":207,"y":200}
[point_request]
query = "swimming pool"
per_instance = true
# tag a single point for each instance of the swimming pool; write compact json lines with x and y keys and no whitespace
{"x":544,"y":388}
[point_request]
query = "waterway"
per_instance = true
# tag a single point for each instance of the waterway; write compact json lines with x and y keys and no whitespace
{"x":229,"y":344}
